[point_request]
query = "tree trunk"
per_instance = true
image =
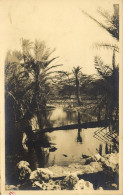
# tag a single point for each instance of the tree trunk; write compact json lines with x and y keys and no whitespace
{"x":77,"y":89}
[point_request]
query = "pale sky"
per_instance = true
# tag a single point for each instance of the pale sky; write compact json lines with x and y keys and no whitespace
{"x":62,"y":25}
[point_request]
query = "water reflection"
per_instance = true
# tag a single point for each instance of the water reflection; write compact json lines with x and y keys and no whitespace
{"x":60,"y":117}
{"x":39,"y":150}
{"x":68,"y":150}
{"x":79,"y":137}
{"x":100,"y":149}
{"x":60,"y":147}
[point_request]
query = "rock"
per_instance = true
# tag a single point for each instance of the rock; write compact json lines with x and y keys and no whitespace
{"x":11,"y":187}
{"x":75,"y":168}
{"x":96,"y":166}
{"x":114,"y":186}
{"x":46,"y":186}
{"x":64,"y":155}
{"x":89,"y":160}
{"x":97,"y":157}
{"x":23,"y":171}
{"x":110,"y":162}
{"x":52,"y":149}
{"x":60,"y":171}
{"x":100,"y":188}
{"x":37,"y":185}
{"x":69,"y":182}
{"x":113,"y":157}
{"x":41,"y":174}
{"x":83,"y":185}
{"x":23,"y":163}
{"x":85,"y":156}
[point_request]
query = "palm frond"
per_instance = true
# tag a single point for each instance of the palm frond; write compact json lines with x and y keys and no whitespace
{"x":113,"y":28}
{"x":107,"y":46}
{"x":45,"y":70}
{"x":49,"y":62}
{"x":103,"y":70}
{"x":95,"y":20}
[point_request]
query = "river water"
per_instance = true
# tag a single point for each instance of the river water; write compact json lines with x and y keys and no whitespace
{"x":69,"y":145}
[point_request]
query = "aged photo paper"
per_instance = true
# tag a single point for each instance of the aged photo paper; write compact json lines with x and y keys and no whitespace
{"x":61,"y":90}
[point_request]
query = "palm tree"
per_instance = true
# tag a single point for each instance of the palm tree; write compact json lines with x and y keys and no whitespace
{"x":109,"y":75}
{"x":76,"y":74}
{"x":110,"y":97}
{"x":38,"y":64}
{"x":28,"y":76}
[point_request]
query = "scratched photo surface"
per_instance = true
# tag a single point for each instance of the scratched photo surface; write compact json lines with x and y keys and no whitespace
{"x":61,"y":95}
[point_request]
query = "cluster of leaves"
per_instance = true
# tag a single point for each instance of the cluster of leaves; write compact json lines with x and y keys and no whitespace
{"x":72,"y":84}
{"x":109,"y":76}
{"x":28,"y":76}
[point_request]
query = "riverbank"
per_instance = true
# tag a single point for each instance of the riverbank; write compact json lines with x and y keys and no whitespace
{"x":91,"y":173}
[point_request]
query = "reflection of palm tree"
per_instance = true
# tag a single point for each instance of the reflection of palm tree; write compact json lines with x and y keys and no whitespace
{"x":100,"y":149}
{"x":106,"y":149}
{"x":79,"y":138}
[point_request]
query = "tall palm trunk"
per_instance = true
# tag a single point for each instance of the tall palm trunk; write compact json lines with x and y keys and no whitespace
{"x":77,"y":88}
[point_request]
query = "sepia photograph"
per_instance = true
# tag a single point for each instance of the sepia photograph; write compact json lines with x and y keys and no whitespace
{"x":60,"y":127}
